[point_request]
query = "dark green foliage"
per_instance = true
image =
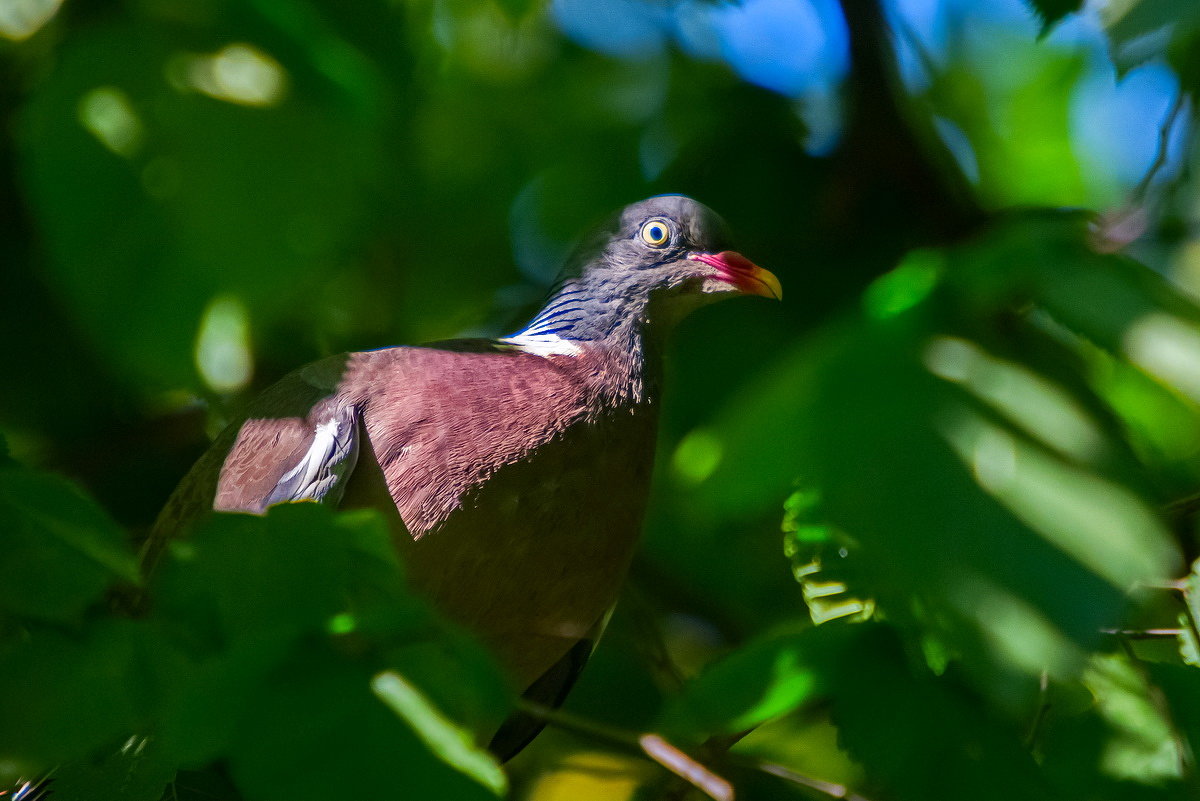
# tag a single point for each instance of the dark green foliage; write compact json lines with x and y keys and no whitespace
{"x":259,"y":650}
{"x":60,"y":551}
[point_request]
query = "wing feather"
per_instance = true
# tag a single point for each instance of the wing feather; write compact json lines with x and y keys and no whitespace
{"x":297,"y":441}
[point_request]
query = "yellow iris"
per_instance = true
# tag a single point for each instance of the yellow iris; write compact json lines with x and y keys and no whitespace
{"x":655,"y":233}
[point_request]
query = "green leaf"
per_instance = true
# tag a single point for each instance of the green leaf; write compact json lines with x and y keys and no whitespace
{"x":247,"y":578}
{"x":137,"y":771}
{"x":1148,"y":29}
{"x":65,"y":696}
{"x":315,"y":730}
{"x":1189,"y":648}
{"x":452,"y":744}
{"x":1180,"y":685}
{"x":1143,"y":17}
{"x":923,"y":737}
{"x":517,"y":10}
{"x":60,"y":551}
{"x":762,"y":680}
{"x":243,"y":590}
{"x":1142,"y":746}
{"x":986,"y":498}
{"x":274,"y":625}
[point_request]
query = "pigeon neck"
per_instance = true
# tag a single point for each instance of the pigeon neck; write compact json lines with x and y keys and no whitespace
{"x":580,"y":318}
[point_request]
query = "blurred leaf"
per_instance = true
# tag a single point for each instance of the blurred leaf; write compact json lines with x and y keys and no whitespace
{"x":924,"y":737}
{"x":60,"y":551}
{"x":1142,"y":747}
{"x":136,"y":771}
{"x":1189,"y":647}
{"x":65,"y":696}
{"x":1051,"y":11}
{"x":449,"y":742}
{"x":978,"y":494}
{"x":314,"y":730}
{"x":249,"y":579}
{"x":1183,"y":55}
{"x":160,"y":217}
{"x":1180,"y":685}
{"x":1147,"y":29}
{"x":759,"y":681}
{"x":297,"y":609}
{"x":516,"y":10}
{"x":239,"y":594}
{"x":1143,"y":17}
{"x":1031,"y":94}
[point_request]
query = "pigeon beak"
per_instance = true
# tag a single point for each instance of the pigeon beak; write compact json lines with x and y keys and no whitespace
{"x":748,"y":277}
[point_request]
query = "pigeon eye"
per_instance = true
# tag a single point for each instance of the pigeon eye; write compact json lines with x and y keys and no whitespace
{"x":655,"y":233}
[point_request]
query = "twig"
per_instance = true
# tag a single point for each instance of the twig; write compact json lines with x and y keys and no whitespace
{"x":686,"y":768}
{"x":652,"y":746}
{"x":672,"y":758}
{"x":825,"y":788}
{"x":1138,"y":196}
{"x":713,"y":750}
{"x":1143,"y":634}
{"x":566,"y":721}
{"x":1178,"y":585}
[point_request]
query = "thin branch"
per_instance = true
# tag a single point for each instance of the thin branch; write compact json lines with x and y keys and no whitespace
{"x":626,"y":740}
{"x":1177,"y":585}
{"x":823,"y":787}
{"x":686,"y":768}
{"x":712,"y":751}
{"x":1138,"y":196}
{"x":672,"y":758}
{"x":1143,"y":634}
{"x":651,"y":746}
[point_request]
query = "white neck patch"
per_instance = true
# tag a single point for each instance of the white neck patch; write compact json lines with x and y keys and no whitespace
{"x":544,"y":344}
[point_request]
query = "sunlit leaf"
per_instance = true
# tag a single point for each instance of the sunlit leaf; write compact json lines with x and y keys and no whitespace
{"x":1143,"y":747}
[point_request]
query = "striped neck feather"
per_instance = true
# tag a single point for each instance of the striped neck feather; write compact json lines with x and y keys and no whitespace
{"x":577,"y":313}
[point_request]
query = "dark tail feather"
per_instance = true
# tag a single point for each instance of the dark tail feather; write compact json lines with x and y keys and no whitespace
{"x":549,"y":690}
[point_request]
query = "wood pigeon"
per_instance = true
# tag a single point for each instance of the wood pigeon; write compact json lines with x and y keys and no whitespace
{"x":513,"y":472}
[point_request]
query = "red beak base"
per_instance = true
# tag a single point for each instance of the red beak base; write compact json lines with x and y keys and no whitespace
{"x":748,"y":277}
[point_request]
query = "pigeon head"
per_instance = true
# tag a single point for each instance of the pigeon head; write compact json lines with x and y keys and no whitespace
{"x":647,"y":267}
